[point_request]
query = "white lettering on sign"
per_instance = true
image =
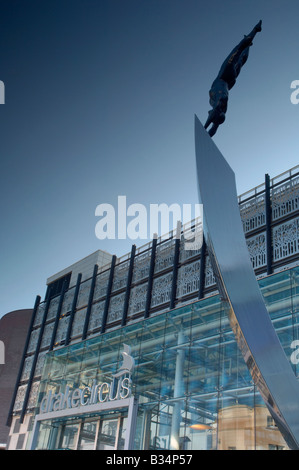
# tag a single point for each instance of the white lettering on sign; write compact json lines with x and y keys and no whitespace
{"x":97,"y":393}
{"x":118,"y":389}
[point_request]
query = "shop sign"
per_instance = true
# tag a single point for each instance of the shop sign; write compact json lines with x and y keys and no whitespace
{"x":119,"y":388}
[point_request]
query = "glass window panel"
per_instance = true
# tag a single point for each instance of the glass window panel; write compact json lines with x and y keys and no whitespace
{"x":294,"y":346}
{"x":71,"y":380}
{"x":294,"y":275}
{"x":75,"y":358}
{"x":69,"y":434}
{"x":88,"y":377}
{"x":266,"y":432}
{"x":201,"y":423}
{"x":159,"y":430}
{"x":90,"y":357}
{"x":107,"y":434}
{"x":148,"y":369}
{"x":44,"y":434}
{"x":122,"y":433}
{"x":176,"y":354}
{"x":87,"y":435}
{"x":276,"y":291}
{"x":235,"y":424}
{"x":57,"y":364}
{"x":109,"y":357}
{"x":204,"y":349}
{"x":167,"y":430}
{"x":233,"y":372}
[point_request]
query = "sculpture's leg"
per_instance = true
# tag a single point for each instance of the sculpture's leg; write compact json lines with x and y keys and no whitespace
{"x":250,"y":321}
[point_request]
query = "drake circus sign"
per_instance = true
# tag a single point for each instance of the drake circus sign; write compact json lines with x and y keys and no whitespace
{"x":119,"y":388}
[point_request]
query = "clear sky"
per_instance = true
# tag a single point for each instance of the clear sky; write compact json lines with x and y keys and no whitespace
{"x":100,"y":97}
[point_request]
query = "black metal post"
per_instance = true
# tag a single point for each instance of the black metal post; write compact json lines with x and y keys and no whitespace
{"x":268,"y":210}
{"x":72,"y":314}
{"x":175,"y":272}
{"x":90,"y":300}
{"x":108,"y":294}
{"x":33,"y":316}
{"x":35,"y":358}
{"x":128,"y":288}
{"x":202,"y":269}
{"x":64,"y":288}
{"x":150,"y":279}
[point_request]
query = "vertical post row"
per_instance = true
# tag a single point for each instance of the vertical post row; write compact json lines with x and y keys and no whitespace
{"x":35,"y":358}
{"x":268,"y":210}
{"x":72,"y":314}
{"x":128,"y":289}
{"x":175,"y":271}
{"x":150,"y":279}
{"x":64,"y":288}
{"x":202,"y":269}
{"x":90,"y":300}
{"x":108,"y":294}
{"x":36,"y":305}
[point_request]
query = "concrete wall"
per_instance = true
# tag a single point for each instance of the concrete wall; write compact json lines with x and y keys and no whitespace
{"x":84,"y":266}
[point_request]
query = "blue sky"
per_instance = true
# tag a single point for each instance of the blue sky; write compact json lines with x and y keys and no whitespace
{"x":100,"y":97}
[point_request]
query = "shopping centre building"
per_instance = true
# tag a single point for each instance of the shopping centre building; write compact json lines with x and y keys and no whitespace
{"x":137,"y":352}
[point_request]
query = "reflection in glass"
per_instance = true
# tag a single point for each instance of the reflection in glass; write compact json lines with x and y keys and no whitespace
{"x":68,"y":440}
{"x":122,"y":433}
{"x":107,"y":434}
{"x":87,"y":435}
{"x":193,"y":387}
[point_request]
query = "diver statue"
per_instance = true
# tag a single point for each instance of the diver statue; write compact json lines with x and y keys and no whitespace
{"x":226,"y":79}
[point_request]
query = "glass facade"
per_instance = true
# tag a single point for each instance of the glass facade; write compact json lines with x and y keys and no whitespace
{"x":190,"y":381}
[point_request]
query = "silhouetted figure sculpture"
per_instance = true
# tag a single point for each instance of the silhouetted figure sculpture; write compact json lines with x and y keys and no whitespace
{"x":226,"y":79}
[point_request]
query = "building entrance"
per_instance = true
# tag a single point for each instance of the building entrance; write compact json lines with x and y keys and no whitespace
{"x":103,"y":433}
{"x":108,"y":426}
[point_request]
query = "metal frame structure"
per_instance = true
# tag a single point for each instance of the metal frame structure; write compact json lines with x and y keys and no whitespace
{"x":130,"y":403}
